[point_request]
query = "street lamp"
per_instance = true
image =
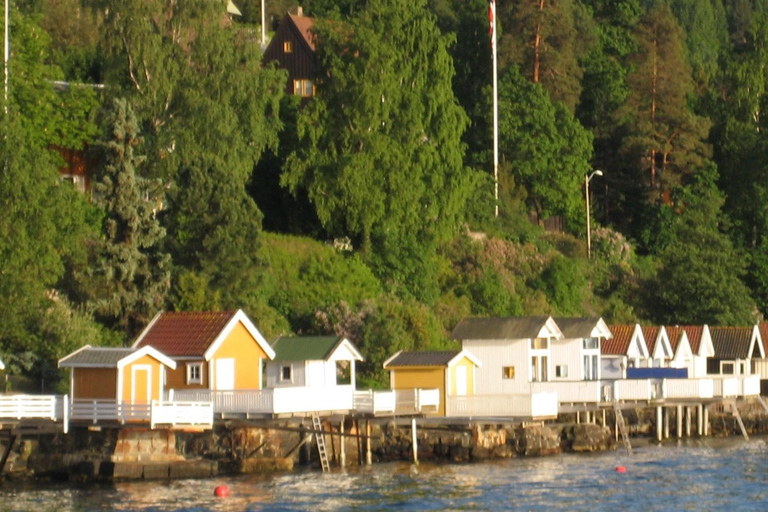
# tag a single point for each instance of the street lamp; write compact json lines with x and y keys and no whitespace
{"x":586,"y":188}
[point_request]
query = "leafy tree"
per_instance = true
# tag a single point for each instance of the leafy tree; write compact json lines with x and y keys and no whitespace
{"x":706,"y":36}
{"x":134,"y":272}
{"x":548,"y":150}
{"x":665,"y":140}
{"x":700,"y":278}
{"x":389,"y":172}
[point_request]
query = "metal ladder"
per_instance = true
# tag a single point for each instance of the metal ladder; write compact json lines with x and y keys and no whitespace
{"x":622,"y":426}
{"x":735,"y":412}
{"x":320,"y":439}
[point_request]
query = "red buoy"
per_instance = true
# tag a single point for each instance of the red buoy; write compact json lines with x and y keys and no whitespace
{"x":222,"y":491}
{"x":621,"y":469}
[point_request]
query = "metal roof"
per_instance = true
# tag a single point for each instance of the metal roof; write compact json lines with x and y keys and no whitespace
{"x":573,"y":328}
{"x":96,"y":357}
{"x":512,"y":328}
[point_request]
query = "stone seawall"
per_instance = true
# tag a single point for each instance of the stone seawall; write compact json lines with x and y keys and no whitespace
{"x":134,"y":453}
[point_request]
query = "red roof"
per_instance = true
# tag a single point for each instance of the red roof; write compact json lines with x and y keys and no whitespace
{"x":650,"y":333}
{"x":619,"y":344}
{"x":675,"y":334}
{"x":185,"y":334}
{"x":304,"y":24}
{"x":695,"y":334}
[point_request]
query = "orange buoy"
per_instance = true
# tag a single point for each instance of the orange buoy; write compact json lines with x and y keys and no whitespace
{"x":621,"y":469}
{"x":222,"y":491}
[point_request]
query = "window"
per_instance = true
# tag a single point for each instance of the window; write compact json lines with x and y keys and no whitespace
{"x":343,"y":373}
{"x":539,"y":344}
{"x":591,"y":343}
{"x":303,"y":88}
{"x":539,"y":367}
{"x":287,"y":47}
{"x":194,"y":373}
{"x":590,"y":367}
{"x":727,"y":368}
{"x":286,"y":374}
{"x":561,"y":370}
{"x":508,"y":372}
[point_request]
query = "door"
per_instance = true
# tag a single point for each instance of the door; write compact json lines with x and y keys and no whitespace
{"x":225,"y":374}
{"x":141,"y":389}
{"x":461,"y":380}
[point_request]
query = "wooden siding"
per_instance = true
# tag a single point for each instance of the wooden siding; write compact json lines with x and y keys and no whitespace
{"x":177,"y":379}
{"x":424,"y":378}
{"x":300,"y":62}
{"x":567,"y":353}
{"x":240,"y":346}
{"x":497,"y":354}
{"x":94,"y":383}
{"x":135,"y":391}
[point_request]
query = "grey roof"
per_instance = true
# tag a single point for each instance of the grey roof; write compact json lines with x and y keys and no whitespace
{"x":573,"y":328}
{"x":423,"y":358}
{"x":516,"y":328}
{"x":96,"y":356}
{"x":731,"y":342}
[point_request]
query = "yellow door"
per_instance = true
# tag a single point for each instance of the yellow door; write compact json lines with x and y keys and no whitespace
{"x":142,"y":384}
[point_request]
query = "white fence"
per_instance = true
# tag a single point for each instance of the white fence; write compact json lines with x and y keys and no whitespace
{"x":181,"y":413}
{"x":109,"y":410}
{"x":634,"y":389}
{"x":572,"y":392}
{"x":375,"y":401}
{"x":272,"y":401}
{"x":541,"y":405}
{"x":688,"y":388}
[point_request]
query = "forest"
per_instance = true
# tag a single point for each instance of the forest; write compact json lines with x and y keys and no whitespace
{"x":369,"y":210}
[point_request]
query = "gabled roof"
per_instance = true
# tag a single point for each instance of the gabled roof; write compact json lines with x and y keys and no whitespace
{"x":196,"y":334}
{"x":573,"y":328}
{"x":303,"y":26}
{"x":312,"y":348}
{"x":110,"y":357}
{"x":623,"y":336}
{"x":676,"y":335}
{"x":651,"y":335}
{"x":736,"y":342}
{"x":512,"y":328}
{"x":443,"y":359}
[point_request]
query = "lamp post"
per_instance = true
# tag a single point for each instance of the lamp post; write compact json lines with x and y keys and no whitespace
{"x":586,"y":189}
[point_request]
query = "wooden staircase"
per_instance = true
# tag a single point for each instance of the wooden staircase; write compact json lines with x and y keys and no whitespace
{"x":622,"y":426}
{"x":317,"y":426}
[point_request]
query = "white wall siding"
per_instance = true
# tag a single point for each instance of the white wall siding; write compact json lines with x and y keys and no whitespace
{"x":567,"y":353}
{"x":495,"y":355}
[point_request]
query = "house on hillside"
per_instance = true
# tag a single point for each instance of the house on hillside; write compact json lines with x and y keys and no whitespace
{"x":737,"y":350}
{"x":453,"y":373}
{"x":117,"y":375}
{"x":293,"y":48}
{"x":626,"y":349}
{"x":217,"y":351}
{"x":514,"y":351}
{"x":576,"y":356}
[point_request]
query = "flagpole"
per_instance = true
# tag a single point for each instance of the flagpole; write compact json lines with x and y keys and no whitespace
{"x":492,"y":13}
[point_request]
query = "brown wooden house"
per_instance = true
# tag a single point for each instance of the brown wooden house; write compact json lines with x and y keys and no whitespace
{"x":293,"y":49}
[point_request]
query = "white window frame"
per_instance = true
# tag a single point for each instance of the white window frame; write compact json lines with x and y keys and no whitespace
{"x":190,"y":378}
{"x":561,"y":371}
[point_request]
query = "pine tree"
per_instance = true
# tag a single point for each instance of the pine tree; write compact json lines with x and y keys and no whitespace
{"x":134,"y":273}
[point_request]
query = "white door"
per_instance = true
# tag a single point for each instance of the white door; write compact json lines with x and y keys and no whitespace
{"x":461,"y":381}
{"x":225,"y":374}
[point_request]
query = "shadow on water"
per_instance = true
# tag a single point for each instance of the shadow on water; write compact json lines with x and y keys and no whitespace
{"x":700,"y":475}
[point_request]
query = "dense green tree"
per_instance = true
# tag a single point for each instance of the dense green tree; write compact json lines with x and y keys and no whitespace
{"x":700,"y":278}
{"x":665,"y":139}
{"x":389,"y":173}
{"x":133,"y":271}
{"x":548,"y":150}
{"x":706,"y":36}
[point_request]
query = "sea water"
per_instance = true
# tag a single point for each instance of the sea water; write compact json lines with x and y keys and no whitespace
{"x":704,"y":475}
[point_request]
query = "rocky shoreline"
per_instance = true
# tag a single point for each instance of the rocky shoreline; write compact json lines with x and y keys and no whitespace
{"x":105,"y":455}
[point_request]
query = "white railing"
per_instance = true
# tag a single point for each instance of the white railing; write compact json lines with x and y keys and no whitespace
{"x":272,"y":401}
{"x":750,"y":385}
{"x":536,"y":406}
{"x":688,"y":388}
{"x":726,"y":386}
{"x":576,"y":391}
{"x":375,"y":401}
{"x":181,"y":413}
{"x":634,"y":389}
{"x":109,"y":410}
{"x":49,"y":407}
{"x":417,"y":400}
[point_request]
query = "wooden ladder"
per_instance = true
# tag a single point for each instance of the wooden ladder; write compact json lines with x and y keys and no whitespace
{"x":622,"y":426}
{"x":320,"y":439}
{"x":735,"y":411}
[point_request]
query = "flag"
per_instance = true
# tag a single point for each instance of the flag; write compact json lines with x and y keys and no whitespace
{"x":492,"y":19}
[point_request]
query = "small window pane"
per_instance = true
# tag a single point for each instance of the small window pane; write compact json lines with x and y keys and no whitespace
{"x":285,"y":373}
{"x":508,"y":372}
{"x":561,"y":371}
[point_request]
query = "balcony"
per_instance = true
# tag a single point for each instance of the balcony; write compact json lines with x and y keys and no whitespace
{"x":539,"y":405}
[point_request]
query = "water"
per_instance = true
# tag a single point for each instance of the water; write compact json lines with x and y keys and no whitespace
{"x":701,"y":476}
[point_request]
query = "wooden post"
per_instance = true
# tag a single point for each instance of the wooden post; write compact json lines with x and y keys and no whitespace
{"x":342,"y":448}
{"x":578,"y":417}
{"x":666,"y":422}
{"x":368,"y":430}
{"x":706,"y":420}
{"x":700,"y":419}
{"x":687,"y":421}
{"x":604,"y":423}
{"x":659,"y":424}
{"x":414,"y":442}
{"x":359,"y":448}
{"x":679,"y":418}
